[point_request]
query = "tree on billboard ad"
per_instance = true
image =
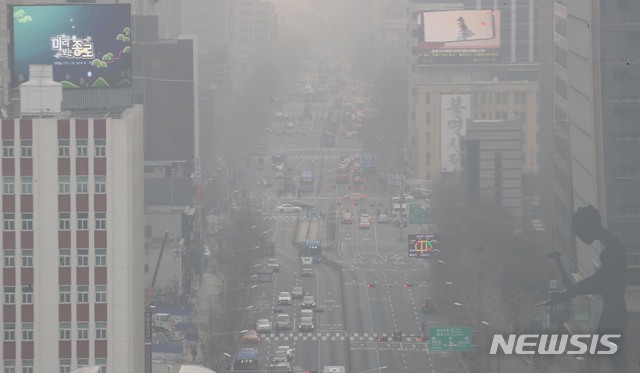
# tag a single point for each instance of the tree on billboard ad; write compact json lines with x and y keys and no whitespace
{"x":88,"y":46}
{"x":462,"y":36}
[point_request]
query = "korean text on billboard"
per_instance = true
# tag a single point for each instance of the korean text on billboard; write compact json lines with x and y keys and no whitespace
{"x":455,"y":111}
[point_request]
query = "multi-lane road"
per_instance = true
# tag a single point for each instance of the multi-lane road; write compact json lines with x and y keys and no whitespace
{"x":353,"y":315}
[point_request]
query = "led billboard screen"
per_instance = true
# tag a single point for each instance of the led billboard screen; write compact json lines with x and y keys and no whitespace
{"x":461,"y":36}
{"x":87,"y":45}
{"x":421,"y":245}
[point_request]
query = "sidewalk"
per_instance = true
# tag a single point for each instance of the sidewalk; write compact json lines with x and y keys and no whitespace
{"x":209,"y":288}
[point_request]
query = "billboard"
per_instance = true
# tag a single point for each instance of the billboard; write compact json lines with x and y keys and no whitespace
{"x":87,"y":45}
{"x":455,"y":111}
{"x":462,"y":36}
{"x":421,"y":245}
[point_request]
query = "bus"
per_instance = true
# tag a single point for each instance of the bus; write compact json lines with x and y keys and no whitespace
{"x":306,"y":182}
{"x":246,"y":360}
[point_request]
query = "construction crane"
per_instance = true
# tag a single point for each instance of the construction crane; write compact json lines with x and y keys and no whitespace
{"x":148,"y":313}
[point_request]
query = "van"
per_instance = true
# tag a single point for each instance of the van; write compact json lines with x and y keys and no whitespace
{"x":306,"y":269}
{"x":163,"y":321}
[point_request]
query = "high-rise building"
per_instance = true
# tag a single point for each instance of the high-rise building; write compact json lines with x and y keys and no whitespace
{"x":72,"y":238}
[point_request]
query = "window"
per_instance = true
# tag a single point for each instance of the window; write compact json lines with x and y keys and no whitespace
{"x":65,"y":294}
{"x":64,"y":221}
{"x":101,"y":294}
{"x":100,"y":184}
{"x":65,"y":257}
{"x":27,"y":366}
{"x":9,"y":366}
{"x":63,"y":147}
{"x":83,"y":294}
{"x":7,"y":148}
{"x":83,"y":257}
{"x":27,"y":222}
{"x":102,"y":363}
{"x":83,"y":332}
{"x":27,"y":258}
{"x":427,"y":98}
{"x":101,"y":221}
{"x":63,"y":185}
{"x":25,"y":148}
{"x":83,"y":220}
{"x":9,"y":332}
{"x":82,"y":184}
{"x":9,"y":295}
{"x":101,"y":331}
{"x":27,"y":185}
{"x":101,"y":257}
{"x":428,"y":118}
{"x":27,"y":331}
{"x":428,"y":139}
{"x":27,"y":295}
{"x":9,"y":258}
{"x":8,"y":186}
{"x":8,"y":222}
{"x":81,"y":148}
{"x":101,"y":148}
{"x":65,"y":331}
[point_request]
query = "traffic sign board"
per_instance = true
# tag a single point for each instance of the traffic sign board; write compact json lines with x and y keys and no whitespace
{"x":450,"y":339}
{"x":419,"y":215}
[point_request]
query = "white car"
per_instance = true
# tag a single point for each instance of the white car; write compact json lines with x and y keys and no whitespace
{"x":407,"y":198}
{"x":285,"y":207}
{"x":273,"y":264}
{"x":284,"y":298}
{"x":263,"y":326}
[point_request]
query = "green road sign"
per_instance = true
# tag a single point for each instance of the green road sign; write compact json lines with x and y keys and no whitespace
{"x":419,"y":215}
{"x":450,"y":339}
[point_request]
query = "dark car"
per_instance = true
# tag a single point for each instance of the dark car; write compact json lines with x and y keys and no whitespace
{"x":428,"y":306}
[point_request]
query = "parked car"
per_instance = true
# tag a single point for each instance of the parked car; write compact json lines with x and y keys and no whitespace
{"x":308,"y":302}
{"x":285,"y":207}
{"x":284,"y":298}
{"x":298,"y":292}
{"x":263,"y":325}
{"x":273,"y":264}
{"x":251,"y":336}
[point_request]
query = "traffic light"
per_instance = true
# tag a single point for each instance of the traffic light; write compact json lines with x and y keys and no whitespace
{"x":382,"y":339}
{"x":371,"y":284}
{"x":420,"y":339}
{"x":408,"y":285}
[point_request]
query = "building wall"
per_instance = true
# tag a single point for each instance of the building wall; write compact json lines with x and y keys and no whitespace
{"x":59,"y":235}
{"x":521,"y":104}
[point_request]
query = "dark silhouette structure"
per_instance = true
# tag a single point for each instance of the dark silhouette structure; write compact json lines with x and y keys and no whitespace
{"x":608,"y":281}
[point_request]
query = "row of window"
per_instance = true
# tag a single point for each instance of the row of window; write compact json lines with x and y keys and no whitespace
{"x":64,"y":219}
{"x":82,"y":294}
{"x":501,"y":115}
{"x":9,"y":366}
{"x":488,"y":97}
{"x":9,"y":258}
{"x":82,"y":148}
{"x":64,"y":184}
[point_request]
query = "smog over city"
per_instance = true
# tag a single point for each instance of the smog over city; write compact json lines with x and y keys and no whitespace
{"x":325,"y":186}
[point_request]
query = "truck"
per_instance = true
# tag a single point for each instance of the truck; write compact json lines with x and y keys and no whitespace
{"x":307,"y":183}
{"x":307,"y":238}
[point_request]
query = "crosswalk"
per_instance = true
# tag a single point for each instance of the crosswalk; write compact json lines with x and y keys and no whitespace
{"x":341,"y":336}
{"x":295,"y":148}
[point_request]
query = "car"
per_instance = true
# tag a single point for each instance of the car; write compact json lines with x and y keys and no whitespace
{"x":306,"y":259}
{"x":308,"y":301}
{"x":284,"y":298}
{"x":383,"y":218}
{"x":283,"y":322}
{"x":250,"y":336}
{"x":347,"y":218}
{"x":357,"y":179}
{"x":355,"y":197}
{"x":302,"y":205}
{"x":428,"y":306}
{"x":364,"y":215}
{"x":285,"y":207}
{"x":263,"y":325}
{"x":282,"y":354}
{"x":290,"y":125}
{"x":364,"y":223}
{"x":407,"y":198}
{"x":273,"y":264}
{"x":306,"y":324}
{"x":298,"y":292}
{"x":280,"y":367}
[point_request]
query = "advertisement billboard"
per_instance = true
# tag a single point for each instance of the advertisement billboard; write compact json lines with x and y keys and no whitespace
{"x":455,"y":110}
{"x":420,"y":245}
{"x":87,"y":45}
{"x":462,"y":36}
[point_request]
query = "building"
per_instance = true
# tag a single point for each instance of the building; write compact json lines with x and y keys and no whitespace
{"x":72,"y":237}
{"x":508,"y":101}
{"x":493,"y":163}
{"x":592,"y":92}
